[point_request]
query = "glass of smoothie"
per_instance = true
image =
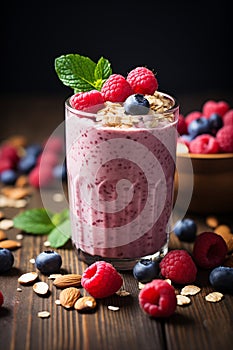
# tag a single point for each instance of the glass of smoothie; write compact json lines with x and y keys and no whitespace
{"x":120,"y":171}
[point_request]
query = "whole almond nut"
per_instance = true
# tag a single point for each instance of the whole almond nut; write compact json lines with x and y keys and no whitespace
{"x":2,"y":235}
{"x":69,"y":296}
{"x":10,"y":244}
{"x":85,"y":304}
{"x":69,"y":280}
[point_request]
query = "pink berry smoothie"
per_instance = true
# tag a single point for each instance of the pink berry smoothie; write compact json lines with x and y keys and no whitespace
{"x":120,"y":182}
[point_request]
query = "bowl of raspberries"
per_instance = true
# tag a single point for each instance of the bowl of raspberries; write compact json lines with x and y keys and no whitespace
{"x":206,"y":139}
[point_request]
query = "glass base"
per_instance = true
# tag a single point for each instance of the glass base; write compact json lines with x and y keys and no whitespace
{"x":118,"y":263}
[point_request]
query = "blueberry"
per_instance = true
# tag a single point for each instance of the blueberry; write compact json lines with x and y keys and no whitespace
{"x":27,"y":163}
{"x":221,"y":278}
{"x":34,"y":150}
{"x":6,"y":260}
{"x":146,"y":270}
{"x":136,"y":104}
{"x":48,"y":262}
{"x":215,"y":123}
{"x":59,"y":172}
{"x":186,"y":230}
{"x":199,"y":126}
{"x":8,"y":177}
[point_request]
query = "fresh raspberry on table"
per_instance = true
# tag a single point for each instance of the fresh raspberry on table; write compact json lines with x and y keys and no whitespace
{"x":158,"y":298}
{"x":116,"y":89}
{"x":181,"y":126}
{"x":89,"y":101}
{"x":178,"y":266}
{"x":225,"y":138}
{"x":204,"y":144}
{"x":228,"y":118}
{"x":212,"y":106}
{"x":5,"y":164}
{"x":209,"y":250}
{"x":142,"y":81}
{"x":10,"y":153}
{"x":41,"y":176}
{"x":192,"y":116}
{"x":101,"y":279}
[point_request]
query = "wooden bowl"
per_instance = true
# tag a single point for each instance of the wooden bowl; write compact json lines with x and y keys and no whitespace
{"x":212,"y":181}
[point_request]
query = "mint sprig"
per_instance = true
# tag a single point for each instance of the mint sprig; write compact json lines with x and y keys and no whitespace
{"x":41,"y":221}
{"x":81,"y":73}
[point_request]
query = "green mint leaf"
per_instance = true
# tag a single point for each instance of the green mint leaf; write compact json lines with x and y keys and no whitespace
{"x":81,"y":73}
{"x":35,"y":221}
{"x":58,"y":218}
{"x":76,"y":71}
{"x":60,"y":234}
{"x":102,"y":71}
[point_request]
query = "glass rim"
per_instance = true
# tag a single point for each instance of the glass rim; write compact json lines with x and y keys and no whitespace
{"x":173,"y":109}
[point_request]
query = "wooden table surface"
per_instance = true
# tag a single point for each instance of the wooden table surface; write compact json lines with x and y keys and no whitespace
{"x":201,"y":325}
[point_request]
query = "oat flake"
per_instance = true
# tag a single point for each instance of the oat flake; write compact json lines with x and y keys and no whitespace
{"x":6,"y":224}
{"x":43,"y":314}
{"x":113,"y":308}
{"x":214,"y":297}
{"x":182,"y":300}
{"x":190,"y":290}
{"x":122,"y":293}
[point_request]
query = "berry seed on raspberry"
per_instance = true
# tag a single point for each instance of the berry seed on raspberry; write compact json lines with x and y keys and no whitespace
{"x":209,"y":250}
{"x":178,"y":266}
{"x":158,"y":299}
{"x":142,"y":81}
{"x":116,"y":89}
{"x":101,"y":279}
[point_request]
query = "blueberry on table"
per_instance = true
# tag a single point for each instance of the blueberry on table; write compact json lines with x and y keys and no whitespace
{"x":146,"y":270}
{"x":136,"y":105}
{"x":34,"y":150}
{"x":221,"y":278}
{"x":27,"y":163}
{"x":186,"y":230}
{"x":48,"y":262}
{"x":8,"y":177}
{"x":6,"y":260}
{"x":199,"y":126}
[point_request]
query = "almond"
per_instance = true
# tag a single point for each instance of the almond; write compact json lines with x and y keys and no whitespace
{"x":69,"y":280}
{"x":16,"y":192}
{"x":2,"y":235}
{"x":28,"y":277}
{"x":10,"y":244}
{"x":85,"y":304}
{"x":69,"y":296}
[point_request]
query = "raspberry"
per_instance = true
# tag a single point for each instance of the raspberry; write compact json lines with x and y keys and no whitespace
{"x":5,"y":164}
{"x":158,"y":298}
{"x":192,"y":116}
{"x":101,"y":279}
{"x":225,"y":138}
{"x":116,"y":89}
{"x":228,"y":118}
{"x":204,"y":144}
{"x":211,"y":107}
{"x":90,"y":101}
{"x":209,"y":250}
{"x":1,"y":299}
{"x":41,"y":177}
{"x":10,"y":153}
{"x":178,"y":266}
{"x":181,"y":126}
{"x":142,"y":81}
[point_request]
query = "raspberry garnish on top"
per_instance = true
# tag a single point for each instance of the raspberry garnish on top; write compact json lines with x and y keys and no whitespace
{"x":142,"y":81}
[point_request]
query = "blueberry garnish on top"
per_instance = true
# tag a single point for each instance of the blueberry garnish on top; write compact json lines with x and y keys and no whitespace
{"x":136,"y":104}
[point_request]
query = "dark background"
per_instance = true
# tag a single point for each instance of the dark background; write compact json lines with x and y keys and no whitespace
{"x":188,"y":44}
